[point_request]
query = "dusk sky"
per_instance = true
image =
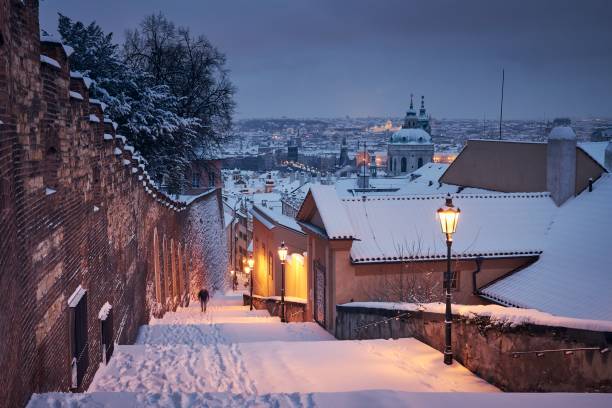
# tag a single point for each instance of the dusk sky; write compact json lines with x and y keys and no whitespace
{"x":330,"y":58}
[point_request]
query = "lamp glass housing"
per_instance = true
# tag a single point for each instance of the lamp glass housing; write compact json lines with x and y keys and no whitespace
{"x":251,"y":262}
{"x":282,"y":252}
{"x":449,"y":217}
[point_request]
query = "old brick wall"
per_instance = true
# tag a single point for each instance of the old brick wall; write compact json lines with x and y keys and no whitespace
{"x":78,"y":208}
{"x":487,"y":348}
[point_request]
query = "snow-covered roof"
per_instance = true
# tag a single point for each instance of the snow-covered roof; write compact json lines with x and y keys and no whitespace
{"x":491,"y":225}
{"x":573,"y":276}
{"x":427,"y":182}
{"x":597,"y":151}
{"x":334,"y":216}
{"x":410,"y":136}
{"x":392,"y":228}
{"x":269,"y":218}
{"x":227,"y":218}
{"x":431,"y":171}
{"x":259,"y":197}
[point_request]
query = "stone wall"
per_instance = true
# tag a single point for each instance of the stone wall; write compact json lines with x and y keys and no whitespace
{"x":295,"y":312}
{"x":487,"y":349}
{"x":78,"y":208}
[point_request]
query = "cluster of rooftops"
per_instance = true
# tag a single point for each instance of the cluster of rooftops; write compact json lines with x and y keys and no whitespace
{"x":569,"y":242}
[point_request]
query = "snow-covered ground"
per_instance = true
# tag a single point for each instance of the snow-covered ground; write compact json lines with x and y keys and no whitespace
{"x":230,"y":356}
{"x":355,"y":399}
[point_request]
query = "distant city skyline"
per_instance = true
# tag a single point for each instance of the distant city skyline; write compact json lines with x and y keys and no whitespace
{"x":358,"y":58}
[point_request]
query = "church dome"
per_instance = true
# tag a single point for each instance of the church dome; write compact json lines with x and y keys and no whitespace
{"x":410,"y":136}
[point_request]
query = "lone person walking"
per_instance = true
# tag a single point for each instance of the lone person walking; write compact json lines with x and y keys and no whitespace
{"x":203,"y":296}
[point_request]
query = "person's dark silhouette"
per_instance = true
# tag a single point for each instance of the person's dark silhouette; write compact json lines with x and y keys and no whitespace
{"x":203,"y":296}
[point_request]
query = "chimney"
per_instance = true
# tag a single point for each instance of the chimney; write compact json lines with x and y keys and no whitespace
{"x":561,"y":164}
{"x":608,"y":157}
{"x":363,"y":177}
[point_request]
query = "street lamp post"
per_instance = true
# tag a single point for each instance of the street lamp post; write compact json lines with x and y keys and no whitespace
{"x":251,"y":263}
{"x":282,"y":254}
{"x":235,"y":276}
{"x":449,"y":217}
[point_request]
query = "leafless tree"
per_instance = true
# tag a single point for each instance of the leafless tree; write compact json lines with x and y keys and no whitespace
{"x":413,"y":281}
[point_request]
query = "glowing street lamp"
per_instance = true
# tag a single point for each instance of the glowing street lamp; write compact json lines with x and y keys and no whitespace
{"x":282,"y":255}
{"x":251,"y":263}
{"x":449,"y":217}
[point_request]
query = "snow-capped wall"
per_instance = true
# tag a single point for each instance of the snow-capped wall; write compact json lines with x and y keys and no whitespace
{"x":516,"y":350}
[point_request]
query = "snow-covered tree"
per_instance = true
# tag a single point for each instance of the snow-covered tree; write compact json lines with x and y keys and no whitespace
{"x":193,"y":69}
{"x":174,"y":102}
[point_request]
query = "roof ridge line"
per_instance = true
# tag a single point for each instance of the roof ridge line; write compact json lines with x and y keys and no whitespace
{"x":443,"y":196}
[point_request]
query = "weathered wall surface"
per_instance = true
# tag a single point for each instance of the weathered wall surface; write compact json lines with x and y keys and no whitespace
{"x":205,"y":237}
{"x":77,"y":208}
{"x":487,"y":349}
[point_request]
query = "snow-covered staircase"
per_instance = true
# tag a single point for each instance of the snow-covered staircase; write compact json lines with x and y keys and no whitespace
{"x":189,"y":351}
{"x":231,"y":356}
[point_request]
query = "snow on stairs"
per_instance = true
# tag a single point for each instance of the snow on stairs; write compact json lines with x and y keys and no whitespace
{"x":353,"y":399}
{"x":188,"y":351}
{"x":230,"y":356}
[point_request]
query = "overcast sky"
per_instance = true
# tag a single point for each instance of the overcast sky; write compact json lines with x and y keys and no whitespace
{"x":329,"y":58}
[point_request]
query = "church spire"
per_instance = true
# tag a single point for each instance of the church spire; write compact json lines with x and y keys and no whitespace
{"x":411,"y":105}
{"x":422,"y":112}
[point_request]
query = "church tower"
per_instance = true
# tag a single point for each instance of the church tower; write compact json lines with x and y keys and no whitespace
{"x":424,"y":122}
{"x":410,"y":121}
{"x":344,"y":158}
{"x":410,"y":147}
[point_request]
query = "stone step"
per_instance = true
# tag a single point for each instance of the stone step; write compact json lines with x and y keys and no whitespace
{"x":229,"y":333}
{"x":215,"y":315}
